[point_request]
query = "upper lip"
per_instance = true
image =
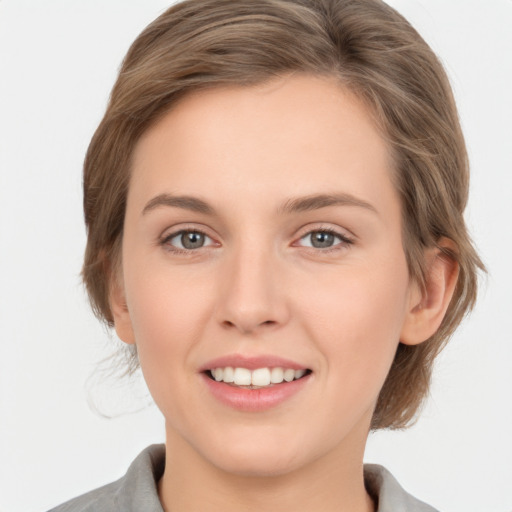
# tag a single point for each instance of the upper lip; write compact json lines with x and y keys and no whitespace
{"x":251,"y":362}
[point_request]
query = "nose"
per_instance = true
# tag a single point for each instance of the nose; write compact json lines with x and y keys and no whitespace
{"x":252,"y":294}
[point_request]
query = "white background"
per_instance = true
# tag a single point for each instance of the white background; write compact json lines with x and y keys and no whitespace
{"x":58,"y":61}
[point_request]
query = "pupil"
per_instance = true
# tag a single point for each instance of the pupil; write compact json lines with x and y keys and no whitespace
{"x":322,"y":239}
{"x":192,"y":240}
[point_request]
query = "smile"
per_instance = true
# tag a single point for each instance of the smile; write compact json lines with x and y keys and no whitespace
{"x":257,"y":378}
{"x":255,"y":383}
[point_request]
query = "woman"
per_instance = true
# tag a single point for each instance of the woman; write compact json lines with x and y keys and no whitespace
{"x":274,"y":202}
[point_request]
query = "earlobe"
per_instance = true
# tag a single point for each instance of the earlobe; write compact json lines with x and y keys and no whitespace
{"x":428,"y":307}
{"x":120,"y":312}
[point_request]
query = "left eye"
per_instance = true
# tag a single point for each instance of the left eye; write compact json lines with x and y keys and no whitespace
{"x":188,"y":240}
{"x":322,"y":239}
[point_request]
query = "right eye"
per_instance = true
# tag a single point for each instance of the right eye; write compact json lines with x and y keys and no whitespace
{"x":187,"y":240}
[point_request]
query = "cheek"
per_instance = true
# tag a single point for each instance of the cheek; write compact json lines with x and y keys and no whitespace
{"x":356,"y":326}
{"x":164,"y":309}
{"x":167,"y":320}
{"x":356,"y":319}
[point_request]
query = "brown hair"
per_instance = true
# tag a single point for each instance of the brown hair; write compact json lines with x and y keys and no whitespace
{"x":374,"y":52}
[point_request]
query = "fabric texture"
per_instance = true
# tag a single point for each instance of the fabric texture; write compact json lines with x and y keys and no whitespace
{"x":137,"y":490}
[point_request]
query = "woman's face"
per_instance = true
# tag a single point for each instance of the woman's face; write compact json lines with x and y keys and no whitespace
{"x":263,"y":231}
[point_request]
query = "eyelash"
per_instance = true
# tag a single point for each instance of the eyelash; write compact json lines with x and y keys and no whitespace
{"x":176,"y":250}
{"x":345,"y":241}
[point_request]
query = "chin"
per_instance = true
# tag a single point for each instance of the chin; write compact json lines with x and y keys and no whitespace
{"x":258,"y":457}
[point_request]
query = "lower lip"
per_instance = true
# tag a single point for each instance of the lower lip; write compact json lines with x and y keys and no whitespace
{"x":254,"y":400}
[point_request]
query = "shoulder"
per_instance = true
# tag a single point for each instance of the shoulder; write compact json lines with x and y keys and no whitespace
{"x":388,"y":493}
{"x":101,"y":499}
{"x":135,"y":491}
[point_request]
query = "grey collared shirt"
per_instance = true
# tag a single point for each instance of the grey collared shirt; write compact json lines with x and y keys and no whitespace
{"x":137,"y":490}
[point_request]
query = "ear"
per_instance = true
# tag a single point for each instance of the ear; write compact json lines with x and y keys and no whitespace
{"x":427,"y":307}
{"x":119,"y":308}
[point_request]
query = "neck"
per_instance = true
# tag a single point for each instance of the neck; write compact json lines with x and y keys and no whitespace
{"x":334,"y":481}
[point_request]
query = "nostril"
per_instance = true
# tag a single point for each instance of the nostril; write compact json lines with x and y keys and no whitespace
{"x":247,"y":328}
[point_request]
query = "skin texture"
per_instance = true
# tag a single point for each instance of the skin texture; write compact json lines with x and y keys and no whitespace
{"x":258,"y":286}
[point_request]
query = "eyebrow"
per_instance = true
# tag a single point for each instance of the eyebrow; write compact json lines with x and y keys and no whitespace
{"x":292,"y":205}
{"x":317,"y":201}
{"x":193,"y":204}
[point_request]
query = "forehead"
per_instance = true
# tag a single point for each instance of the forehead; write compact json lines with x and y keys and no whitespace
{"x":291,"y":134}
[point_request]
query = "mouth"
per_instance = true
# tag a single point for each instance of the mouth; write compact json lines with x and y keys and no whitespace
{"x":255,"y":383}
{"x":258,"y":378}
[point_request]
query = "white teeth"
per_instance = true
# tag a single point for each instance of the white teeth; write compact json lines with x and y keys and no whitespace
{"x":229,"y":374}
{"x":298,"y":373}
{"x":276,"y":375}
{"x":289,"y":375}
{"x":242,"y":377}
{"x":260,"y":377}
